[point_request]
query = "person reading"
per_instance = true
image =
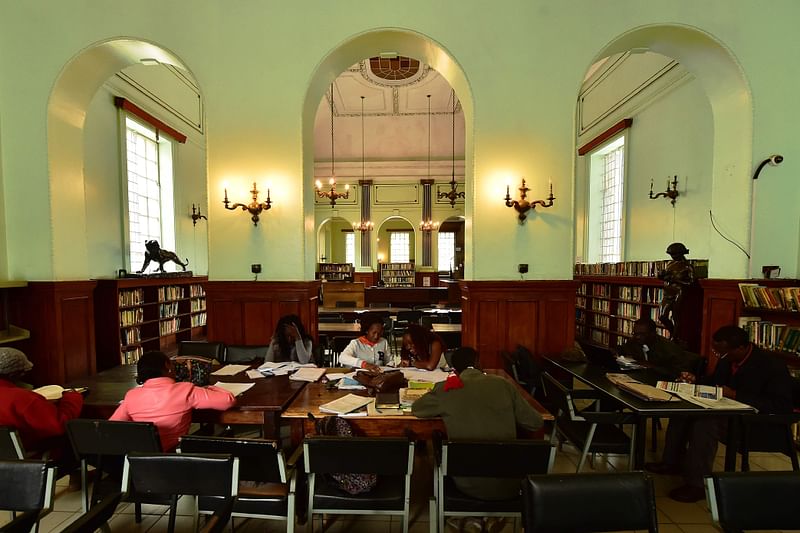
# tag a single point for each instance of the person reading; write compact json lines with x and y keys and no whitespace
{"x":370,"y":350}
{"x":746,"y":374}
{"x":422,"y":348}
{"x":648,"y":347}
{"x":166,"y":403}
{"x":290,"y":342}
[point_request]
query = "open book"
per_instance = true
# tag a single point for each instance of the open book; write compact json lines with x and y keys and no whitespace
{"x":54,"y":392}
{"x":345,"y":404}
{"x":641,"y":390}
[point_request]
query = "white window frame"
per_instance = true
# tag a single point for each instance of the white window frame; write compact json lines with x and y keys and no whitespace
{"x":442,"y":263}
{"x":405,"y":255}
{"x":596,"y":161}
{"x":165,"y":148}
{"x":350,"y":248}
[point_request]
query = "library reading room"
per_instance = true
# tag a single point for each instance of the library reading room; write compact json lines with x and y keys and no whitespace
{"x":451,"y":266}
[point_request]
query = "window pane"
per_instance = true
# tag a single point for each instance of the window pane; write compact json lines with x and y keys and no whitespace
{"x":447,"y":251}
{"x":350,"y":248}
{"x":611,"y":206}
{"x":399,"y":244}
{"x":144,"y":200}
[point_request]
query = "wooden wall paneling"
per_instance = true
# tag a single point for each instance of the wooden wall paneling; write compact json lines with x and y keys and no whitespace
{"x":722,"y":306}
{"x":498,"y":315}
{"x":369,"y":279}
{"x":256,"y":318}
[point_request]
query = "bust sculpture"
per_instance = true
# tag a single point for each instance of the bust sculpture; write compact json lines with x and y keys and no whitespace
{"x":677,"y":276}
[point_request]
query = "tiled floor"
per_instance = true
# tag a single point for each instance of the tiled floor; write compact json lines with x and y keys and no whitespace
{"x":673,"y":517}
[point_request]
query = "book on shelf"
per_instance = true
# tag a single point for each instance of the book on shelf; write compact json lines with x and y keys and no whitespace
{"x":772,"y":298}
{"x":642,"y":269}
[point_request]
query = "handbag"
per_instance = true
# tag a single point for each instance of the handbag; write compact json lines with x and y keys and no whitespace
{"x":192,"y":368}
{"x":382,"y":382}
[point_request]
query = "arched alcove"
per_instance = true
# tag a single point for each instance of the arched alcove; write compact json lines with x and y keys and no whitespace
{"x":384,"y":230}
{"x":68,"y":105}
{"x":332,"y":240}
{"x":371,"y":43}
{"x":721,"y":78}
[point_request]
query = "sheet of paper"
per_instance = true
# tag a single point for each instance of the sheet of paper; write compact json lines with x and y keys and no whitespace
{"x":722,"y":403}
{"x":234,"y":388}
{"x":282,"y":368}
{"x":254,"y":374}
{"x":308,"y":374}
{"x":345,"y":404}
{"x":418,"y":374}
{"x":230,"y":370}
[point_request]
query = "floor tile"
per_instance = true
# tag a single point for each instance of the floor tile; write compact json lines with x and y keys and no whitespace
{"x":683,"y":513}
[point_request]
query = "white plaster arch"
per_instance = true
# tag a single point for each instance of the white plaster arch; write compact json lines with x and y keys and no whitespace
{"x":404,"y":42}
{"x":321,"y":228}
{"x":72,"y":93}
{"x":720,"y":74}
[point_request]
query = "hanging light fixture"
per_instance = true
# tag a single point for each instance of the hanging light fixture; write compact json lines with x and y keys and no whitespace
{"x":331,"y":193}
{"x":365,"y":225}
{"x":453,"y":193}
{"x":428,"y":225}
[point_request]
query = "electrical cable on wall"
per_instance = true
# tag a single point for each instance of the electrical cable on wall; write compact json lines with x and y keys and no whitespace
{"x":714,"y":225}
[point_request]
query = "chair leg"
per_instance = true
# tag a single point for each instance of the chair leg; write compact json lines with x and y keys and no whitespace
{"x":655,"y":425}
{"x":632,"y":450}
{"x":586,"y":447}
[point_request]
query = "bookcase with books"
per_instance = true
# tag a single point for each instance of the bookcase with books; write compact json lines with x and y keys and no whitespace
{"x":612,"y":296}
{"x":335,"y":271}
{"x":133,"y":316}
{"x":771,"y":315}
{"x":398,"y":274}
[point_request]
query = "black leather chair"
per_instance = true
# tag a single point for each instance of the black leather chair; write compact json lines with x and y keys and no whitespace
{"x":213,"y":350}
{"x":26,"y":487}
{"x":171,"y":475}
{"x":244,"y":354}
{"x":590,"y":431}
{"x":268,"y":490}
{"x":391,"y":459}
{"x":10,"y":445}
{"x":766,"y":433}
{"x":510,"y":459}
{"x":754,"y":500}
{"x":589,"y":502}
{"x":104,"y":444}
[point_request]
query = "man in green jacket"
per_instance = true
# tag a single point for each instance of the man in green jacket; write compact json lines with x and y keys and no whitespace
{"x":475,"y":406}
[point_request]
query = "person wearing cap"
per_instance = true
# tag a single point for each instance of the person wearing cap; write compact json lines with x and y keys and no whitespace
{"x":37,"y":420}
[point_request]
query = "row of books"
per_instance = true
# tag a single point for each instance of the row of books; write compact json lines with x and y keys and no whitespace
{"x":131,"y":335}
{"x":165,"y":327}
{"x":131,"y":297}
{"x":198,"y":320}
{"x":642,"y":269}
{"x":131,"y":355}
{"x":167,"y":310}
{"x":603,"y":321}
{"x":196,"y":290}
{"x":778,"y":298}
{"x":198,"y":305}
{"x":580,"y":301}
{"x":601,"y":305}
{"x":771,"y":336}
{"x":171,"y":292}
{"x":603,"y":291}
{"x":626,"y":310}
{"x":130,"y":317}
{"x":630,"y":293}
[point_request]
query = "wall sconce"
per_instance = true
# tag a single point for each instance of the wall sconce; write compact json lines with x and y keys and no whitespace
{"x":254,"y":208}
{"x":672,"y":193}
{"x":523,"y":205}
{"x":363,"y":226}
{"x":428,"y":226}
{"x":196,"y":215}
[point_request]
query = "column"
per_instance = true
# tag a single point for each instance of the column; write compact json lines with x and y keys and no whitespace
{"x":427,"y":215}
{"x":366,"y":236}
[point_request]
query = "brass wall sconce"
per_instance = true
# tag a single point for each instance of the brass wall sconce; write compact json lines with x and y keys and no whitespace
{"x":363,"y":226}
{"x":197,"y":215}
{"x":254,"y":208}
{"x":428,"y":226}
{"x":523,"y":205}
{"x":672,"y":193}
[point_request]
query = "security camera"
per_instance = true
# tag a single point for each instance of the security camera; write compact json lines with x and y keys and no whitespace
{"x":775,"y":160}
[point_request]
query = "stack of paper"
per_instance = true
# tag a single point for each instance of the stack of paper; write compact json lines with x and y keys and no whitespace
{"x":705,"y":392}
{"x":418,"y":374}
{"x":230,"y":370}
{"x":641,"y":390}
{"x":282,"y":368}
{"x":308,"y":374}
{"x":409,"y":396}
{"x":345,"y":404}
{"x":234,"y":388}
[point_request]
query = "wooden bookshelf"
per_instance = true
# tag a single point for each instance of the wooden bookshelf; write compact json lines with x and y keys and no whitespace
{"x":134,"y":316}
{"x":770,"y":312}
{"x":335,"y":271}
{"x":398,"y":274}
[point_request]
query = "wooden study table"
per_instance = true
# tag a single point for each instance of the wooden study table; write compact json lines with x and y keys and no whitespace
{"x":316,"y":394}
{"x":261,"y":405}
{"x":595,"y":377}
{"x":340,"y":328}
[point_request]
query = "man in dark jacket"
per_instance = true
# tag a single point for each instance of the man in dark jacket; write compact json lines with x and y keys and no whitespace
{"x":649,"y":347}
{"x":746,"y":374}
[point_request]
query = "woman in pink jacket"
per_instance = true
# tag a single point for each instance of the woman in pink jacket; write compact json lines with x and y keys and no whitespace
{"x":166,"y":403}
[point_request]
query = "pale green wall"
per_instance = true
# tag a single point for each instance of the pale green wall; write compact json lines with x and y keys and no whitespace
{"x":262,"y":67}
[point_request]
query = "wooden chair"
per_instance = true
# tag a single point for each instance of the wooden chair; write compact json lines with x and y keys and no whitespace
{"x":485,"y":459}
{"x":270,"y":489}
{"x":589,"y":502}
{"x":390,"y":458}
{"x":754,"y":500}
{"x":26,"y":487}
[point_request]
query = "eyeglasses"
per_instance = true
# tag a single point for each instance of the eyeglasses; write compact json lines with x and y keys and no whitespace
{"x":718,"y":354}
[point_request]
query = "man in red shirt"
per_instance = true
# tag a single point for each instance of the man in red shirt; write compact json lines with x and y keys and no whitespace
{"x":41,"y":423}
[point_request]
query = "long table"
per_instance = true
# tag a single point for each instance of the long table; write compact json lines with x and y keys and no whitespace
{"x":316,"y":394}
{"x":261,"y":405}
{"x":595,"y":377}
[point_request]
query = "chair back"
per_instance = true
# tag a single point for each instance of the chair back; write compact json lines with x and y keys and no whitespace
{"x":112,"y":438}
{"x":605,"y":502}
{"x":10,"y":445}
{"x":244,"y":354}
{"x":26,"y":485}
{"x":179,"y":474}
{"x":559,"y":397}
{"x":508,"y":459}
{"x":213,"y":350}
{"x":754,"y":500}
{"x":404,"y":318}
{"x":358,"y":455}
{"x":260,"y":461}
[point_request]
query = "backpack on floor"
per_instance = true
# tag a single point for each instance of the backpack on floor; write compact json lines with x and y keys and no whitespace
{"x":334,"y":426}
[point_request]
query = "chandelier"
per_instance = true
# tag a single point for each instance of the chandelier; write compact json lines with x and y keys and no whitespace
{"x":365,"y":225}
{"x":453,"y":193}
{"x":331,"y":193}
{"x":428,"y":225}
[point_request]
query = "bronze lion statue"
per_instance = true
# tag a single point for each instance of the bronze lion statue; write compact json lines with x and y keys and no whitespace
{"x":155,"y":253}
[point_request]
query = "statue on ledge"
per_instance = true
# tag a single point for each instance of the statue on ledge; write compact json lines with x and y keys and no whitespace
{"x":155,"y":253}
{"x":678,"y":275}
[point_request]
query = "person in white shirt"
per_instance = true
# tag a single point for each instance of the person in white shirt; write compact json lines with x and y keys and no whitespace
{"x":370,"y":350}
{"x":290,"y":342}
